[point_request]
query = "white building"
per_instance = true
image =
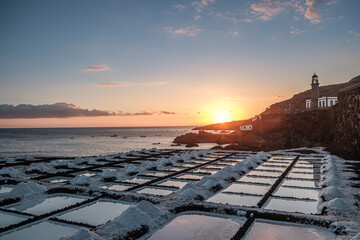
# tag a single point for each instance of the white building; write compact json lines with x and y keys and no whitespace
{"x":246,"y":127}
{"x":316,"y":101}
{"x":323,"y":102}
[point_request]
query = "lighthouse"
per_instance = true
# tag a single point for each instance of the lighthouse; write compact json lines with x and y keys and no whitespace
{"x":314,"y":91}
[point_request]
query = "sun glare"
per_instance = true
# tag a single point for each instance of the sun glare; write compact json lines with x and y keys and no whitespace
{"x":222,"y":116}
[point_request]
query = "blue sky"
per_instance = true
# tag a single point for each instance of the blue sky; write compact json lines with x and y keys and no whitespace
{"x":186,"y":57}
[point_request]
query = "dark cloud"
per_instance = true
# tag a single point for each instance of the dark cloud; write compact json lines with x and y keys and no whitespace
{"x":167,"y":112}
{"x":143,"y":113}
{"x":57,"y":110}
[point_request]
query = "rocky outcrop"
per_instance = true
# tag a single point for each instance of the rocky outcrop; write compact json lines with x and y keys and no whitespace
{"x":347,"y":123}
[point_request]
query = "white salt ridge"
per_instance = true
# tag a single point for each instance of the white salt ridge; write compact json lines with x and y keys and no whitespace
{"x":39,"y":167}
{"x":83,"y":234}
{"x":85,"y":180}
{"x":338,"y":207}
{"x":25,"y":190}
{"x":143,"y":214}
{"x":12,"y":172}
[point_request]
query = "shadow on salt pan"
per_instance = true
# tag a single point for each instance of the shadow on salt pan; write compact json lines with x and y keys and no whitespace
{"x":272,"y":231}
{"x":46,"y":205}
{"x":196,"y":226}
{"x":96,"y":213}
{"x":41,"y":231}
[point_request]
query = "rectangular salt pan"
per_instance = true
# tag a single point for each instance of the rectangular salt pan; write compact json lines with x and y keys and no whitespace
{"x":46,"y":205}
{"x":264,"y":173}
{"x":155,"y":191}
{"x":240,"y":200}
{"x":247,"y":188}
{"x":173,"y":183}
{"x":297,"y":193}
{"x":200,"y":227}
{"x":96,"y":213}
{"x":138,"y":180}
{"x":41,"y":231}
{"x":7,"y":219}
{"x":263,"y":180}
{"x":309,"y":207}
{"x":301,"y":183}
{"x":279,"y":231}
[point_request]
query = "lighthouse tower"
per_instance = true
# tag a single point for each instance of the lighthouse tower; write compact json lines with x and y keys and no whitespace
{"x":314,"y":91}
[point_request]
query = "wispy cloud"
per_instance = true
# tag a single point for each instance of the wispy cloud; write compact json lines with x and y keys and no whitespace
{"x":201,"y":4}
{"x":142,"y":113}
{"x":96,"y":68}
{"x":127,"y":84}
{"x":354,"y":34}
{"x":179,"y":7}
{"x":56,"y":110}
{"x":267,"y":9}
{"x":167,"y":113}
{"x":189,"y":31}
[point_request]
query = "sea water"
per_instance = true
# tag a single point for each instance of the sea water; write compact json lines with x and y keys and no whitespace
{"x":55,"y":142}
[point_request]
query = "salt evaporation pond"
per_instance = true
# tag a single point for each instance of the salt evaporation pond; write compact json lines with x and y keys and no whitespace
{"x":301,"y":183}
{"x":173,"y":183}
{"x":96,"y":213}
{"x":248,"y":188}
{"x":7,"y":219}
{"x":41,"y":231}
{"x":155,"y":191}
{"x":309,"y":207}
{"x":46,"y":205}
{"x":271,"y":231}
{"x":240,"y":200}
{"x":5,"y":189}
{"x":118,"y":187}
{"x":196,"y":226}
{"x":297,"y":193}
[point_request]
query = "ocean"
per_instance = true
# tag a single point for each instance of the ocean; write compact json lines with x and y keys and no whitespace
{"x":66,"y":142}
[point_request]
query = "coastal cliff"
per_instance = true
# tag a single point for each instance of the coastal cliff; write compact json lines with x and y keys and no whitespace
{"x":337,"y":128}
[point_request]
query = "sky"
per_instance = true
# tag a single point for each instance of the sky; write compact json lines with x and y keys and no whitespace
{"x":87,"y":63}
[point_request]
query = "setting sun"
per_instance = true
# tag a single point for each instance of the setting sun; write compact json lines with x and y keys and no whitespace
{"x":222,"y":116}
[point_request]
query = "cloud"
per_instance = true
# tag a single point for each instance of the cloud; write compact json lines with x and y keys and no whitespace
{"x":197,"y":17}
{"x":96,"y":68}
{"x":189,"y":31}
{"x":167,"y":113}
{"x":179,"y":7}
{"x":267,"y":9}
{"x":313,"y":14}
{"x":123,"y":84}
{"x":56,"y":110}
{"x":142,"y":113}
{"x":200,"y":5}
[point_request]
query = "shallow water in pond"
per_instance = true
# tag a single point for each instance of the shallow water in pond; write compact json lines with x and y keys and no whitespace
{"x":155,"y":191}
{"x":292,"y":205}
{"x":247,"y":188}
{"x":301,"y":183}
{"x":190,"y":176}
{"x":272,"y":231}
{"x":46,"y":205}
{"x":252,"y":179}
{"x":96,"y":213}
{"x":240,"y":200}
{"x":195,"y":226}
{"x":173,"y":183}
{"x":7,"y":219}
{"x":297,"y":193}
{"x":118,"y":187}
{"x":5,"y":189}
{"x":41,"y":231}
{"x":264,"y":173}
